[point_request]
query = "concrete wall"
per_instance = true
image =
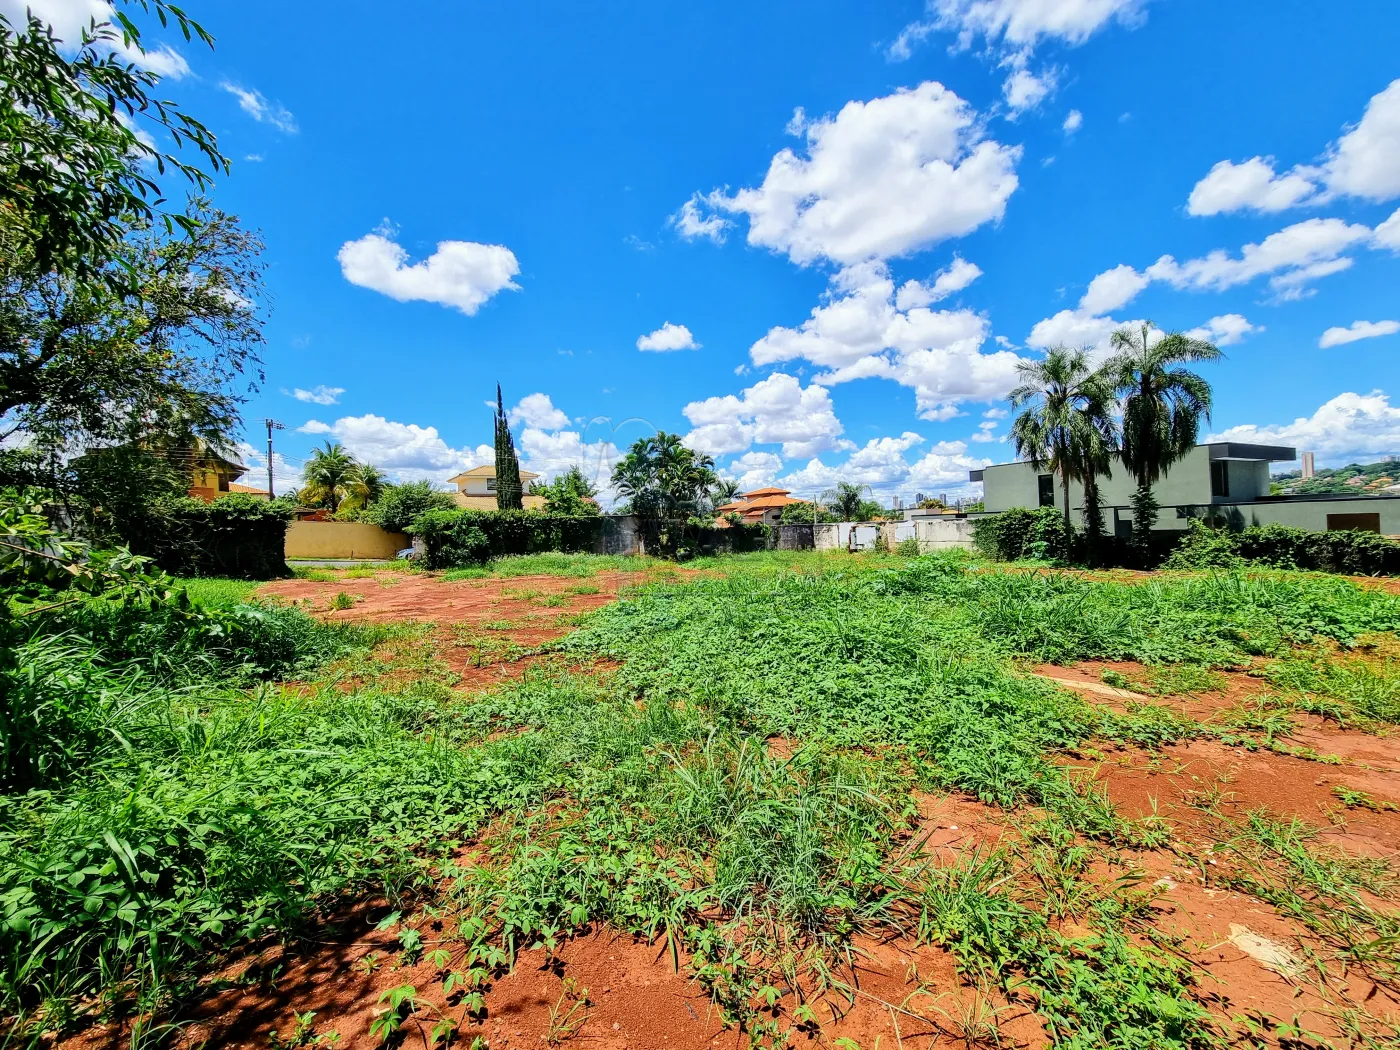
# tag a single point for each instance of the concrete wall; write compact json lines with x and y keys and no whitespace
{"x":827,"y":536}
{"x":939,"y":534}
{"x":342,"y":539}
{"x":1304,"y":514}
{"x":621,"y":534}
{"x":793,"y":538}
{"x":1008,"y":485}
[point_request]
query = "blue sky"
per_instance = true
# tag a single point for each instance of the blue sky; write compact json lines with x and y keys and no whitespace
{"x":862,"y":216}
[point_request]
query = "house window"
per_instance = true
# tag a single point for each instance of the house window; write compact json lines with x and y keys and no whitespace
{"x":490,"y":484}
{"x":223,"y":483}
{"x":1046,"y":483}
{"x":1220,"y":479}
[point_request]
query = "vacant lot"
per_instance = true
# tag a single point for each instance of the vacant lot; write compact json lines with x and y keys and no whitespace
{"x":833,"y":800}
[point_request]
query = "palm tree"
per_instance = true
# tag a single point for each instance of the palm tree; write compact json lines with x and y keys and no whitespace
{"x":724,"y":490}
{"x":327,"y":474}
{"x":1163,"y":405}
{"x":364,"y":486}
{"x":846,"y":500}
{"x":1066,"y":427}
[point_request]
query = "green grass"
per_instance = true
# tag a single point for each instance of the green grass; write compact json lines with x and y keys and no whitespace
{"x":745,"y":786}
{"x":579,"y":566}
{"x":219,"y":593}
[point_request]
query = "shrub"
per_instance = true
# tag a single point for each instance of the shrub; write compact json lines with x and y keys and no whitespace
{"x":907,"y":548}
{"x":1204,"y":548}
{"x":1350,"y":552}
{"x":237,"y":535}
{"x":1020,"y":533}
{"x":464,"y":537}
{"x":400,"y":504}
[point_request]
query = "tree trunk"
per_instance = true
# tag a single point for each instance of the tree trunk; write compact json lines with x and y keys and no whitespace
{"x":1069,"y":528}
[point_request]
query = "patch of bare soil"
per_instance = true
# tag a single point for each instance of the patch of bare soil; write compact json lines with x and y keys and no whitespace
{"x":483,"y":629}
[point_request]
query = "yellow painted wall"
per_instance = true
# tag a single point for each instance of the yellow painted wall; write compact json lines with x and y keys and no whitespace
{"x":342,"y":539}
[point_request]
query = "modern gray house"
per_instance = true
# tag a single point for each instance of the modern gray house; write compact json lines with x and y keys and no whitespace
{"x":1225,"y":484}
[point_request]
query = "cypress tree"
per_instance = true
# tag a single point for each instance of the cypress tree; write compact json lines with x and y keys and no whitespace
{"x":507,"y":466}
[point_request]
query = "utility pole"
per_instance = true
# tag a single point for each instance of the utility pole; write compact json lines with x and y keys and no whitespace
{"x":272,"y":425}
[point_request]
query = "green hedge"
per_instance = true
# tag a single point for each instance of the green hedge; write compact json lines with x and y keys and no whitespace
{"x":465,"y":537}
{"x":237,"y":535}
{"x":696,"y":537}
{"x":1348,"y":552}
{"x":1021,"y":533}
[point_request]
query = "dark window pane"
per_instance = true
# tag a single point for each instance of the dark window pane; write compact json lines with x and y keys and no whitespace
{"x":1220,"y":479}
{"x":1047,"y":489}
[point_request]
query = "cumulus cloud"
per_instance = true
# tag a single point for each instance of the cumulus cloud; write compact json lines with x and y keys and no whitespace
{"x":68,"y":19}
{"x":1251,"y":185}
{"x":986,"y":431}
{"x":318,"y":395}
{"x":691,"y":224}
{"x":462,"y":274}
{"x":1225,"y":329}
{"x":1387,"y":234}
{"x":773,"y":410}
{"x":538,"y":411}
{"x":883,"y":467}
{"x":1358,"y":330}
{"x":1291,"y":258}
{"x":865,"y":330}
{"x":1364,"y":162}
{"x":1015,"y":26}
{"x":550,"y":453}
{"x":1025,"y":91}
{"x":1349,"y":425}
{"x":882,"y":178}
{"x":1073,"y":122}
{"x":754,"y":469}
{"x":406,"y":449}
{"x":668,"y":337}
{"x":261,"y":109}
{"x":1113,"y":289}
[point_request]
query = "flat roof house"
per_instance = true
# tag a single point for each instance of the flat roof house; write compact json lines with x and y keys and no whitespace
{"x":476,"y":489}
{"x":761,"y":506}
{"x":1224,"y":483}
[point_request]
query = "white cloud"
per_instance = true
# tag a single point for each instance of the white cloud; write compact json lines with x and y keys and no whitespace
{"x":882,"y":178}
{"x":1387,"y":234}
{"x":551,"y":453}
{"x":460,"y":273}
{"x":408,"y":450}
{"x":862,"y":332}
{"x":1073,"y":122}
{"x":754,"y":469}
{"x":1251,"y":185}
{"x":264,"y":111}
{"x":1225,"y":330}
{"x":882,"y":466}
{"x":995,"y":413}
{"x":286,"y":476}
{"x":958,"y":275}
{"x":1294,"y":256}
{"x":1024,"y":90}
{"x":1113,"y":289}
{"x":1075,"y":328}
{"x":318,"y":395}
{"x":69,"y":18}
{"x":538,"y":411}
{"x":1349,"y":425}
{"x":986,"y":431}
{"x":690,"y":224}
{"x":668,"y":337}
{"x":1358,"y":330}
{"x":1365,"y":162}
{"x":775,"y":409}
{"x":1019,"y":25}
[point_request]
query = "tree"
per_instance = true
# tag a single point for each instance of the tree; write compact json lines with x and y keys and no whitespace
{"x":328,"y":475}
{"x":75,"y":170}
{"x":1163,"y":405}
{"x":508,"y":493}
{"x":846,"y":500}
{"x":660,"y":476}
{"x":569,"y":493}
{"x":1067,"y":415}
{"x":400,"y":504}
{"x":166,"y":355}
{"x":363,"y":487}
{"x":724,"y":490}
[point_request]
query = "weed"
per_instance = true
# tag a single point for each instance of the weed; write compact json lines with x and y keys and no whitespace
{"x":342,"y":600}
{"x":568,"y":1014}
{"x":1361,"y":800}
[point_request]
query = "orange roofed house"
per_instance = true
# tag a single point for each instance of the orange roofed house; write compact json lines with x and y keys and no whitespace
{"x":761,"y":506}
